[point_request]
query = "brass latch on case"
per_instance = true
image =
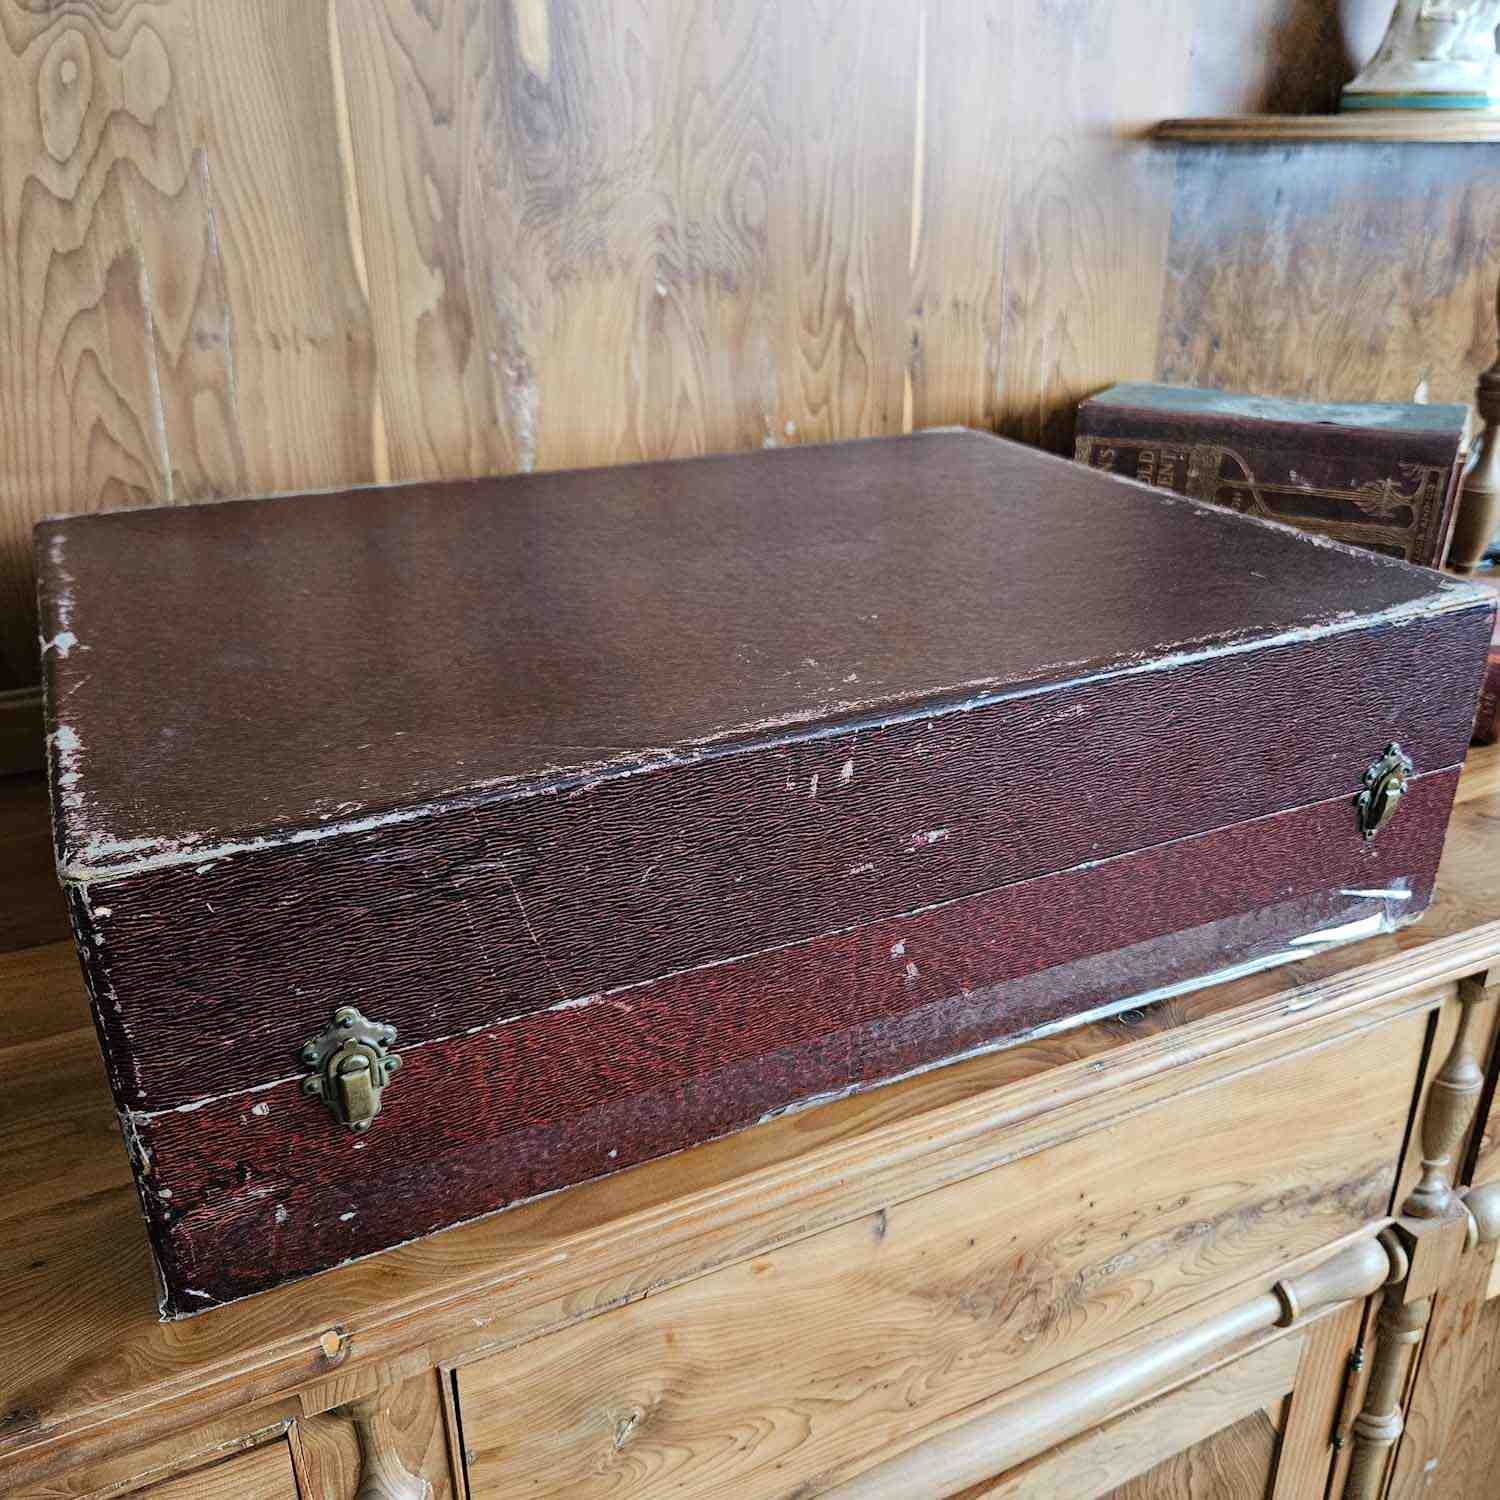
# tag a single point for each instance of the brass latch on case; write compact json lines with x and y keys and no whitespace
{"x":351,"y":1064}
{"x":1385,"y":785}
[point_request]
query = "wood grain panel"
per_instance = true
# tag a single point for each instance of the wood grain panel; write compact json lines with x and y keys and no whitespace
{"x":1238,"y":1463}
{"x":960,"y":200}
{"x":284,"y":219}
{"x":1307,"y":1452}
{"x":1089,"y":215}
{"x":700,"y":363}
{"x":965,"y":1292}
{"x":625,"y":196}
{"x":1118,"y":1451}
{"x":262,"y":1474}
{"x":1333,"y":272}
{"x":87,"y":112}
{"x":1467,"y":1467}
{"x":563,"y":226}
{"x":174,"y":231}
{"x":419,"y":91}
{"x":840,"y":220}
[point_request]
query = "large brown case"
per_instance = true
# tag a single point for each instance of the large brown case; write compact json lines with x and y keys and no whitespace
{"x":642,"y":803}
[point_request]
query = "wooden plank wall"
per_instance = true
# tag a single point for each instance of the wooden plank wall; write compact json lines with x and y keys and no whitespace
{"x":284,"y":244}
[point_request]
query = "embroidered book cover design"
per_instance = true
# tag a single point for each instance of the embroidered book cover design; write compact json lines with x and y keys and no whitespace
{"x":1385,"y":481}
{"x":1387,"y":512}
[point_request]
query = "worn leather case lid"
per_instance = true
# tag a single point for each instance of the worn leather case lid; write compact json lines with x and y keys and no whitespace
{"x":221,"y":673}
{"x":644,"y":802}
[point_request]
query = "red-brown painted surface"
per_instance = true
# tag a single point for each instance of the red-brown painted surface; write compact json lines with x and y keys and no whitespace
{"x":481,"y":913}
{"x":269,"y":666}
{"x":716,"y":737}
{"x":264,"y":1184}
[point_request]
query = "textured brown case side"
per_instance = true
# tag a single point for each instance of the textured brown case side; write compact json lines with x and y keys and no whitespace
{"x":211,"y":976}
{"x":264,"y":1187}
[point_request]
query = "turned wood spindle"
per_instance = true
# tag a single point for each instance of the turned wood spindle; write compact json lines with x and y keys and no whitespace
{"x":1380,"y":1422}
{"x":1449,"y":1113}
{"x":1479,"y":502}
{"x":1424,"y":1237}
{"x":382,"y":1474}
{"x":1483,"y":1205}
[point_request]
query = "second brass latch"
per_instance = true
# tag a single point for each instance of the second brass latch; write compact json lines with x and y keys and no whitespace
{"x":1384,"y":786}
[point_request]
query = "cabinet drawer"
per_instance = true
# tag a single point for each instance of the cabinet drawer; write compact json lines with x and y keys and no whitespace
{"x":261,"y":1474}
{"x":788,"y":1372}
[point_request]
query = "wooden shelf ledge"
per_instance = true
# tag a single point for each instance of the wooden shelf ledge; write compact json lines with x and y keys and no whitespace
{"x":1454,"y":127}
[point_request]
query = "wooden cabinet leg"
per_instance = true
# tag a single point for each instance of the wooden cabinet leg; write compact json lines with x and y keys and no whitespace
{"x":1430,"y":1234}
{"x":382,"y":1474}
{"x":1379,"y":1424}
{"x":1432,"y":1450}
{"x":1450,"y":1112}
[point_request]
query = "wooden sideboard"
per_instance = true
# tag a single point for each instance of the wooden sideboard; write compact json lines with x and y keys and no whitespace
{"x":1212,"y":1248}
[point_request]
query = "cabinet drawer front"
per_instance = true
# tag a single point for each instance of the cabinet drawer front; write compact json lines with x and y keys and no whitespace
{"x":806,"y":1364}
{"x":262,"y":1474}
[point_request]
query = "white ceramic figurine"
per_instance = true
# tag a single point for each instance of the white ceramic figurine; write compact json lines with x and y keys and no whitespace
{"x":1437,"y":54}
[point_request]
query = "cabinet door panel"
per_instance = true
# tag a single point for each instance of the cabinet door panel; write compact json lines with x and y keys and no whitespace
{"x":1470,"y":1460}
{"x":1116,"y":1458}
{"x":1237,"y":1463}
{"x":829,"y":1354}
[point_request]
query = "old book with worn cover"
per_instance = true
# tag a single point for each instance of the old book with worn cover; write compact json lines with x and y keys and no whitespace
{"x":1379,"y":475}
{"x":432,"y":848}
